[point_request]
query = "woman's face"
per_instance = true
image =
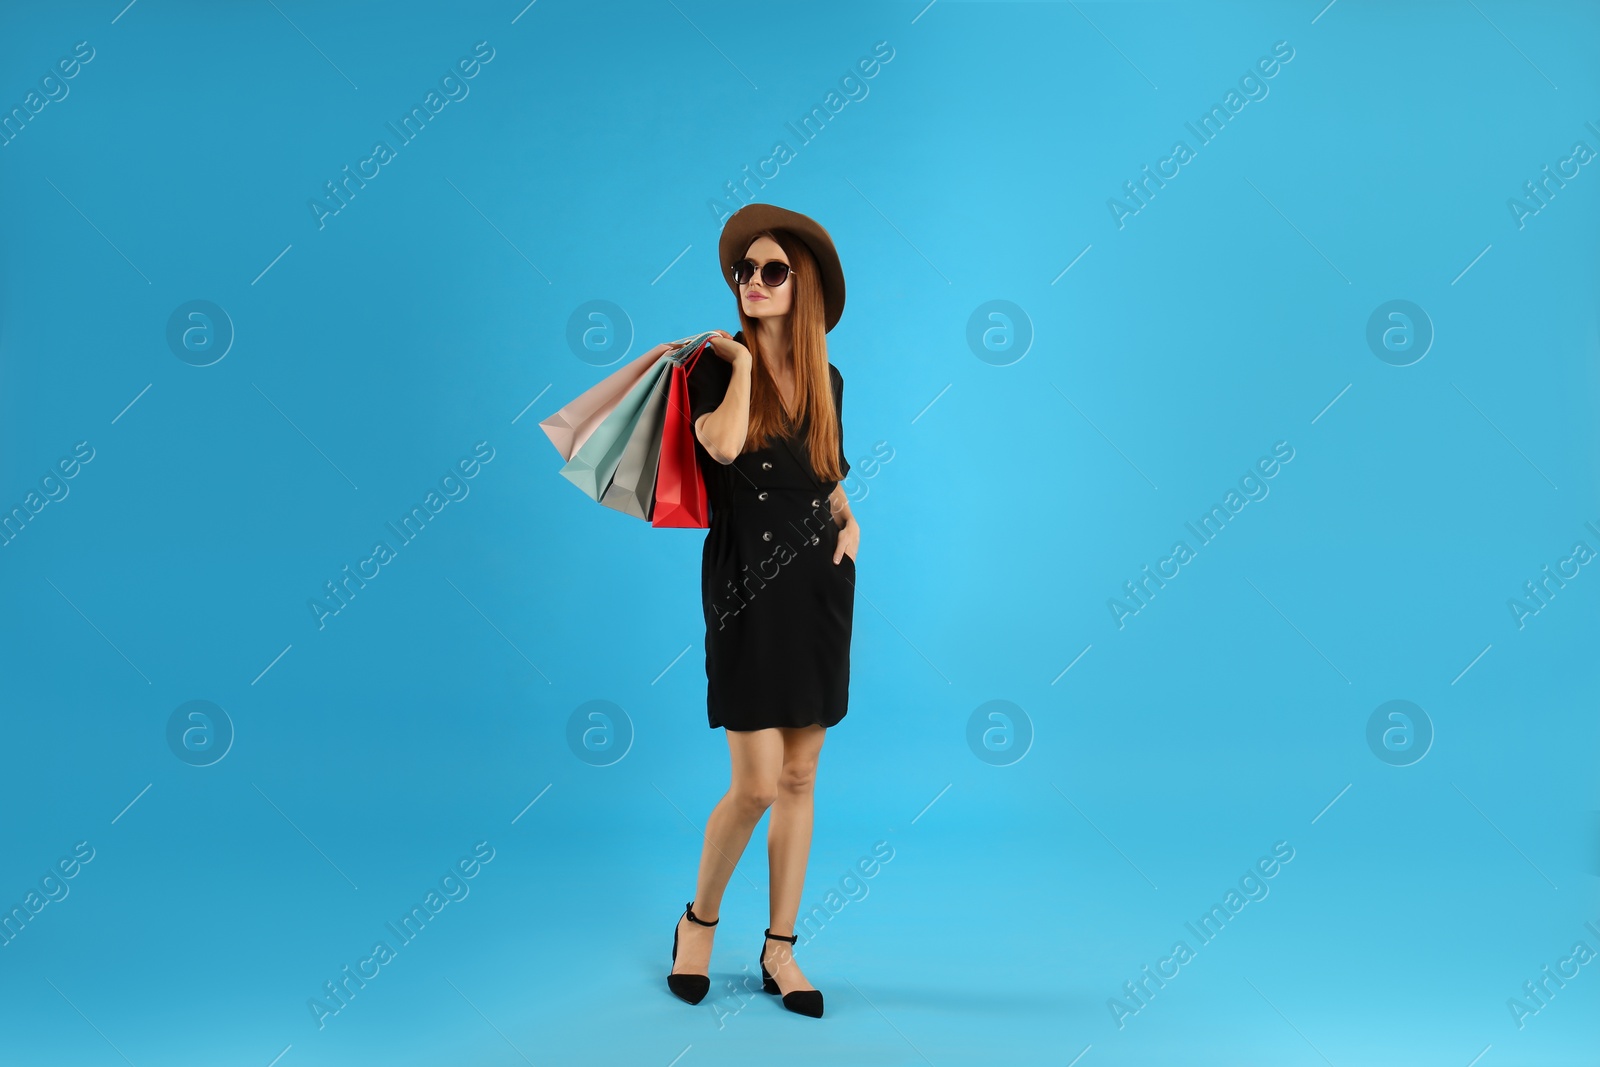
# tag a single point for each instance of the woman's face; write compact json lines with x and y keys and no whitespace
{"x":758,"y":299}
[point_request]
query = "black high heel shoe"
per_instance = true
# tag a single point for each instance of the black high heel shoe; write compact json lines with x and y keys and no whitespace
{"x":800,"y":1001}
{"x":690,"y":987}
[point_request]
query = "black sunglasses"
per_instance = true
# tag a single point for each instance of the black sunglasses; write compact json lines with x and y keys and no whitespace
{"x":773,"y":274}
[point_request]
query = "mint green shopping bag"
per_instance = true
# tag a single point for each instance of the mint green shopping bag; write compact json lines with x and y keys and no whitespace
{"x":592,"y":466}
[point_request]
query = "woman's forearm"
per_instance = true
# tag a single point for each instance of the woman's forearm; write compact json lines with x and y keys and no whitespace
{"x":841,"y":507}
{"x":722,"y":432}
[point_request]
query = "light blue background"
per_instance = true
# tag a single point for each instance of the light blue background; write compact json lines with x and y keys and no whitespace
{"x":431,"y":313}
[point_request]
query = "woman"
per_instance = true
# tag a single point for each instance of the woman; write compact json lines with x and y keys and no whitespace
{"x":777,"y":573}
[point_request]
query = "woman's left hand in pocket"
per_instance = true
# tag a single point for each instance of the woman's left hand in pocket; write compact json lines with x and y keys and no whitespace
{"x":849,"y":541}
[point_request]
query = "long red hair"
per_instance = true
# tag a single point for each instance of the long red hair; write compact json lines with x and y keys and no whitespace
{"x":809,"y":345}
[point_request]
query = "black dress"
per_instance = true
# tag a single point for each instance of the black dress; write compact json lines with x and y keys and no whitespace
{"x":778,"y":610}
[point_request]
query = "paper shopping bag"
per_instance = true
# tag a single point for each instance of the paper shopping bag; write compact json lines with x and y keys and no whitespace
{"x":632,"y":486}
{"x":680,"y":490}
{"x":595,"y":461}
{"x":570,"y":427}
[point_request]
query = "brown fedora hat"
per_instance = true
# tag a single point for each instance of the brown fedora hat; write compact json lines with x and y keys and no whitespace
{"x":751,"y":219}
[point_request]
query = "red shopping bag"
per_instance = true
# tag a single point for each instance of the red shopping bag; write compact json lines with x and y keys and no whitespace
{"x":680,"y":497}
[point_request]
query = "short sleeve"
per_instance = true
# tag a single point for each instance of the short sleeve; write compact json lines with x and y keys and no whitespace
{"x":708,"y":384}
{"x":838,"y":407}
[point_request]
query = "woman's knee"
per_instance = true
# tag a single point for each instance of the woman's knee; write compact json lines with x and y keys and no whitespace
{"x":797,"y":778}
{"x":755,"y":797}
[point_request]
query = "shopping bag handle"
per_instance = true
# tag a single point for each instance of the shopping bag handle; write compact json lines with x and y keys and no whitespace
{"x":688,"y":364}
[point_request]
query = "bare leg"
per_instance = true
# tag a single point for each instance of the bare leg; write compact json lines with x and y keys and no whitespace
{"x":756,"y":758}
{"x":788,"y":846}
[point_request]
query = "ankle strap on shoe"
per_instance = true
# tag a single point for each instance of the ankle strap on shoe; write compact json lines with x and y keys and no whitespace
{"x":792,"y":938}
{"x":689,"y":911}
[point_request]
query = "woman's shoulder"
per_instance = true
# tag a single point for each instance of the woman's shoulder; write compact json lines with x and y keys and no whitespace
{"x":709,"y":365}
{"x":720,"y":368}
